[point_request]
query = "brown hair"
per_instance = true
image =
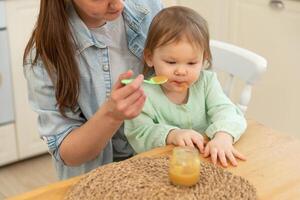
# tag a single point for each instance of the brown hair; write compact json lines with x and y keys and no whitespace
{"x":171,"y":25}
{"x":54,"y":45}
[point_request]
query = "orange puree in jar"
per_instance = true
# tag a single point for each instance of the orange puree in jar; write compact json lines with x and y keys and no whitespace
{"x":184,"y":166}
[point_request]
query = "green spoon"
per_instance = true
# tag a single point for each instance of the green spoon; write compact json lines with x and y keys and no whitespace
{"x":152,"y":80}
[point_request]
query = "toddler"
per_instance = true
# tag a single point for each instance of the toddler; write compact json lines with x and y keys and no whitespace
{"x":191,"y":103}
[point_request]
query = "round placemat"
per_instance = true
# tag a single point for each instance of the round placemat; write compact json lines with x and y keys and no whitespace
{"x":147,"y":178}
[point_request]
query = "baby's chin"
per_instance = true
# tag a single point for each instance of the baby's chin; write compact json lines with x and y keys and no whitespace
{"x":179,"y":89}
{"x":184,"y":87}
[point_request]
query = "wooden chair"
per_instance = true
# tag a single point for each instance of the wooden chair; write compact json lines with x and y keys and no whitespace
{"x":239,"y":63}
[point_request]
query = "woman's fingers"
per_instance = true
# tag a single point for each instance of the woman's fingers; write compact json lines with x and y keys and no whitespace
{"x":125,"y":75}
{"x":135,"y":109}
{"x":238,"y":154}
{"x":130,"y":100}
{"x":124,"y":91}
{"x":127,"y":101}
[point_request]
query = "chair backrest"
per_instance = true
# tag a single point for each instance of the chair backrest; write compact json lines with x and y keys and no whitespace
{"x":237,"y":62}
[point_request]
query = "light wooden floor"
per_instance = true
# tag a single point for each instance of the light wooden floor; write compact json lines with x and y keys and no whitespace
{"x":26,"y":175}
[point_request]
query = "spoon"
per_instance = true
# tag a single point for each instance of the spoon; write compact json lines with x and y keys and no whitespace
{"x":153,"y":80}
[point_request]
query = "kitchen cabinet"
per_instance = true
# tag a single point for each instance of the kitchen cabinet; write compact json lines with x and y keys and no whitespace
{"x":21,"y":17}
{"x":8,"y":144}
{"x":216,"y":12}
{"x":169,"y":2}
{"x":272,"y":29}
{"x":8,"y":148}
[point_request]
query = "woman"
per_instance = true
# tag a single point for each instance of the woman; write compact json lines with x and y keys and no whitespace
{"x":74,"y":61}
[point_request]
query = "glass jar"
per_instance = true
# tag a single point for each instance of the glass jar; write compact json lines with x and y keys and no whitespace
{"x":184,"y":166}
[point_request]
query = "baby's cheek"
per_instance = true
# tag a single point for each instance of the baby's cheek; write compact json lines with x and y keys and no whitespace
{"x":194,"y":77}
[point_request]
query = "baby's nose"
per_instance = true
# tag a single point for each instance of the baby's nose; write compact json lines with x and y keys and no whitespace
{"x":180,"y":71}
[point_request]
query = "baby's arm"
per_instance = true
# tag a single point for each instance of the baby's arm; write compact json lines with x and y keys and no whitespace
{"x":223,"y":115}
{"x":146,"y":132}
{"x":227,"y":124}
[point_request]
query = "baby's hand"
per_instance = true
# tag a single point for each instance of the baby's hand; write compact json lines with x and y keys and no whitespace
{"x":186,"y":137}
{"x":220,"y":147}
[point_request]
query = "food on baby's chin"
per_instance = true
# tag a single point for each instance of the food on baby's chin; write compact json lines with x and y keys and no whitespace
{"x":184,"y":86}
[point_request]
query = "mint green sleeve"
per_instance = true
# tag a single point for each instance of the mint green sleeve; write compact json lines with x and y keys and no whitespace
{"x":223,"y":114}
{"x":145,"y":132}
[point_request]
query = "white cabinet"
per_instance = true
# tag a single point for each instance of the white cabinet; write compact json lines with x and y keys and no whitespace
{"x":21,"y":17}
{"x":216,"y":12}
{"x":8,"y":145}
{"x":169,"y":2}
{"x":272,"y":30}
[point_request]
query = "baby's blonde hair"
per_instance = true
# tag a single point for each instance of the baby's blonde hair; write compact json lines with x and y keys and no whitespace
{"x":173,"y":24}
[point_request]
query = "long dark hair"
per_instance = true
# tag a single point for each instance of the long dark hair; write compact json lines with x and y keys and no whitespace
{"x":54,"y":45}
{"x":171,"y":25}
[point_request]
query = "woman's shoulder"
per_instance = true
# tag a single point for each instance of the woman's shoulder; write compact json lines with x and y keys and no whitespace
{"x":144,"y":6}
{"x":32,"y":60}
{"x":139,"y":4}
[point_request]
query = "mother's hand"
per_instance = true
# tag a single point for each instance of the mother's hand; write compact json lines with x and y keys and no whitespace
{"x":126,"y":102}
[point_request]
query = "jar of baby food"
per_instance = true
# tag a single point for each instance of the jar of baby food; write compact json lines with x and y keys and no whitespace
{"x":184,"y":166}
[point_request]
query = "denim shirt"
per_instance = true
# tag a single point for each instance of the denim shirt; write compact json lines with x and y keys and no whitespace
{"x":95,"y":84}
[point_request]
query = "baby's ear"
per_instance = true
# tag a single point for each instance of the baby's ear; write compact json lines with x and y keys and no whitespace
{"x":207,"y":59}
{"x":148,"y":58}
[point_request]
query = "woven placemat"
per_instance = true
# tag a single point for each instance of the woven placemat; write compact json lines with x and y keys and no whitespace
{"x":147,"y":178}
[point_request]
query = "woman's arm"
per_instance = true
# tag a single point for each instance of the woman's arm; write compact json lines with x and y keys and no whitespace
{"x":86,"y":142}
{"x":72,"y":140}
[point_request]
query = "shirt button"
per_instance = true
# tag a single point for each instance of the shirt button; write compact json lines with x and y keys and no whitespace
{"x":105,"y":68}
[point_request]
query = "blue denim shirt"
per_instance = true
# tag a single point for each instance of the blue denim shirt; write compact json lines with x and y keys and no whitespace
{"x":95,"y":85}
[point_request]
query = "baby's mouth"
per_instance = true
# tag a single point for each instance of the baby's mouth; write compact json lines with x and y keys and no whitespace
{"x":182,"y":85}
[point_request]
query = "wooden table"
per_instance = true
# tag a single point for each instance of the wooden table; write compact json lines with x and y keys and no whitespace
{"x":272,"y":166}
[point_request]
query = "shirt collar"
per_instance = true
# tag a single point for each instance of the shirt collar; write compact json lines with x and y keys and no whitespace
{"x":133,"y":16}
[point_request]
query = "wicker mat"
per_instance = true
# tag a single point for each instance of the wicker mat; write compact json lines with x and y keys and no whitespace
{"x":147,"y":178}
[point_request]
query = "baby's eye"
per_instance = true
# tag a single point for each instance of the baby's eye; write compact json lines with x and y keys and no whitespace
{"x":192,"y":63}
{"x":170,"y":62}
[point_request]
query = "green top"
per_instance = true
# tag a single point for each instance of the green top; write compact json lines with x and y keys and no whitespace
{"x":207,"y":111}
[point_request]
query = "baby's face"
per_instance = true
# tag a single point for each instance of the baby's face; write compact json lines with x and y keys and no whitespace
{"x":180,"y":61}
